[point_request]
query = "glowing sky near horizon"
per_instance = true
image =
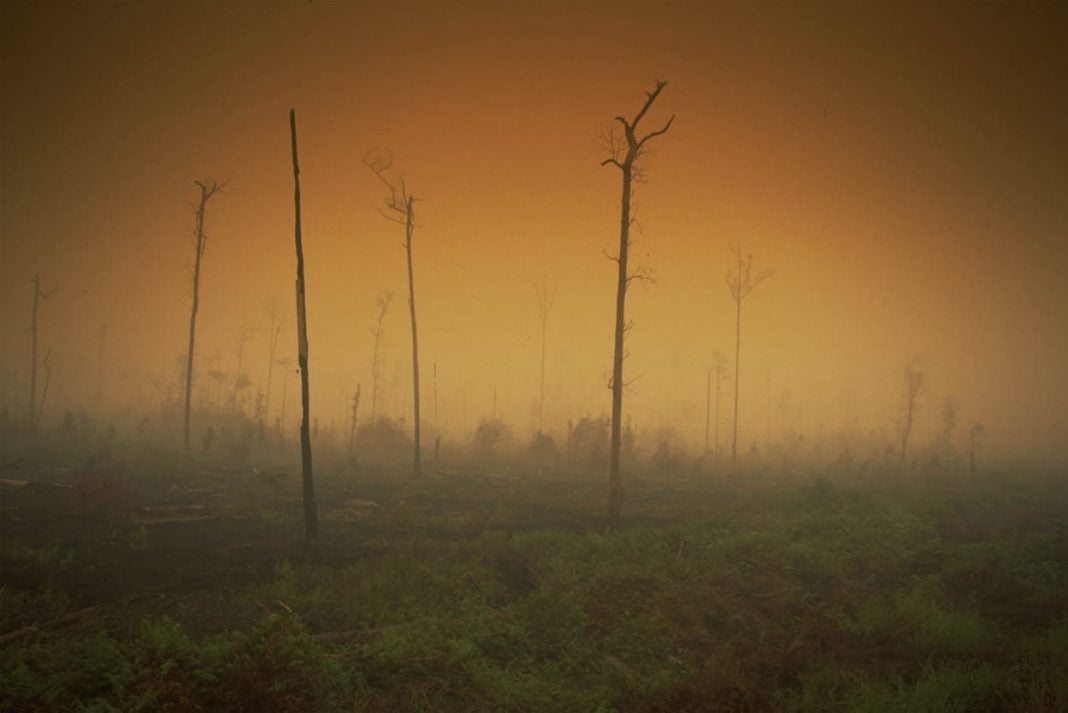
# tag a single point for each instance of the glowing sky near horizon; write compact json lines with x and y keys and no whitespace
{"x":902,"y":167}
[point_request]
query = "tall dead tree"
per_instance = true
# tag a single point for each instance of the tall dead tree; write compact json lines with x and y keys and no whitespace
{"x":400,"y":209}
{"x":201,"y":240}
{"x":625,"y":150}
{"x":376,"y":365}
{"x":740,"y":281}
{"x":48,"y":379}
{"x":38,"y":295}
{"x":545,"y":297}
{"x":915,"y":384}
{"x":311,"y":514}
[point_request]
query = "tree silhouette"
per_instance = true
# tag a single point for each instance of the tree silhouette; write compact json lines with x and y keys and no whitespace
{"x":311,"y":514}
{"x":915,"y":385}
{"x":625,"y":150}
{"x":400,"y":209}
{"x":740,"y":281}
{"x":38,"y":295}
{"x":201,"y":241}
{"x":545,"y":296}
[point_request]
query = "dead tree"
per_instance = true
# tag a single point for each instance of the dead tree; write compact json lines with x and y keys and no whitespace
{"x":545,"y":297}
{"x":625,"y":150}
{"x":915,"y":384}
{"x":201,"y":241}
{"x":740,"y":281}
{"x":241,"y":339}
{"x":400,"y":209}
{"x":721,"y":365}
{"x":48,"y":380}
{"x":376,"y":365}
{"x":38,"y":295}
{"x":311,"y":514}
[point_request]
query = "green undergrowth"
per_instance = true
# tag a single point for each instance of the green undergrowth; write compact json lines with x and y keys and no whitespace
{"x":821,"y":598}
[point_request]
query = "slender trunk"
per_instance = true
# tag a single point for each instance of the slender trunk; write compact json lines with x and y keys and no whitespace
{"x":31,"y":411}
{"x":708,"y":407}
{"x":311,"y":515}
{"x":374,"y":373}
{"x":417,"y":469}
{"x":355,"y":416}
{"x":541,"y":388}
{"x":719,"y":380}
{"x":193,"y":322}
{"x":615,"y":483}
{"x":737,"y":381}
{"x":44,"y":391}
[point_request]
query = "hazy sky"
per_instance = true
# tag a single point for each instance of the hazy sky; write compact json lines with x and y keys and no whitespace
{"x":903,"y":167}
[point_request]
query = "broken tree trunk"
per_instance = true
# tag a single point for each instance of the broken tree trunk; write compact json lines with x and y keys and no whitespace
{"x":623,"y":158}
{"x":311,"y":515}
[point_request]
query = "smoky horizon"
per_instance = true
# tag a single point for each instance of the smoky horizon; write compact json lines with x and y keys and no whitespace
{"x":897,"y":174}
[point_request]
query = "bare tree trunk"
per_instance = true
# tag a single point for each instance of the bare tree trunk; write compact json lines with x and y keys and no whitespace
{"x":615,"y":480}
{"x":31,"y":410}
{"x":38,"y":295}
{"x":402,"y":206}
{"x":417,"y":468}
{"x":48,"y":380}
{"x":206,"y":192}
{"x":719,"y":381}
{"x":545,"y":304}
{"x":623,"y":159}
{"x":311,"y":515}
{"x":915,"y":380}
{"x":740,"y":284}
{"x":708,"y":407}
{"x":737,"y":381}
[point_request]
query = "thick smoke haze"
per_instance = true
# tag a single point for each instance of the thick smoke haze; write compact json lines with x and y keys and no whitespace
{"x":903,"y":168}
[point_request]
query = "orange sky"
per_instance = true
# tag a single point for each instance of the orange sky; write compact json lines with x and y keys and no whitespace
{"x":903,"y":167}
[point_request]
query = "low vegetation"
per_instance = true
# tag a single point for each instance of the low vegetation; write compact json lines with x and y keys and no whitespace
{"x":470,"y":593}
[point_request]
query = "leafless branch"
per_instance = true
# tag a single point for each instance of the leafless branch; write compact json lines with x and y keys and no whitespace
{"x":623,"y":155}
{"x":741,"y":280}
{"x":643,"y":275}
